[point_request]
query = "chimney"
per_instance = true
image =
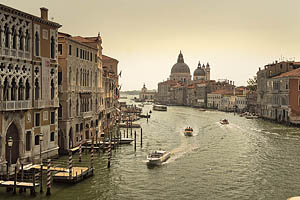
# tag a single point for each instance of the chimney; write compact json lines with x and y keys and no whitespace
{"x":44,"y":13}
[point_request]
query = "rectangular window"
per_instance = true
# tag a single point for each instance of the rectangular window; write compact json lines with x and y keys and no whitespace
{"x":60,"y":49}
{"x":77,"y":52}
{"x":81,"y":53}
{"x":81,"y":126}
{"x":77,"y":127}
{"x":37,"y":119}
{"x":59,"y":78}
{"x":28,"y":141}
{"x":36,"y":140}
{"x":299,"y":85}
{"x":91,"y":56}
{"x":51,"y":136}
{"x":70,"y":50}
{"x":95,"y":58}
{"x":52,"y":118}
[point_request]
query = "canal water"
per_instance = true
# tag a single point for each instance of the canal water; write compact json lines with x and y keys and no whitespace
{"x":246,"y":159}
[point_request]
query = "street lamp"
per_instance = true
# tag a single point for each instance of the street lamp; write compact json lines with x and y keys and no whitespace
{"x":41,"y":171}
{"x":9,"y":144}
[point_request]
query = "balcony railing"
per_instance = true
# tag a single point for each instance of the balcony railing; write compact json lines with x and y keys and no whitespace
{"x":87,"y":114}
{"x":15,"y":105}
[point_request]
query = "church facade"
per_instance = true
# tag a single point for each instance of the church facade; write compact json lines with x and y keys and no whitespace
{"x":181,"y":88}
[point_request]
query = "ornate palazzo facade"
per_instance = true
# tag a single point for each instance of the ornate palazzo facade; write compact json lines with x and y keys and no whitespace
{"x":28,"y":85}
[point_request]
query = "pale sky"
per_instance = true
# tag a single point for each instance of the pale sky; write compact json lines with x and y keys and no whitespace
{"x":234,"y":36}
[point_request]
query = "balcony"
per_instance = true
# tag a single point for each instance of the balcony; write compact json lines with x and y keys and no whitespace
{"x":86,"y":115}
{"x":15,"y":105}
{"x":38,"y":103}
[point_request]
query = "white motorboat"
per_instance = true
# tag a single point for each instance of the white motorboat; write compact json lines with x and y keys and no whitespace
{"x":158,"y":157}
{"x":160,"y":107}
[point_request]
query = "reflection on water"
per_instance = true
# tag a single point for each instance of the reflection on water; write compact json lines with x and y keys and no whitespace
{"x":246,"y":159}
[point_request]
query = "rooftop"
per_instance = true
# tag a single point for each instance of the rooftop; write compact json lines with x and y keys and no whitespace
{"x":293,"y":73}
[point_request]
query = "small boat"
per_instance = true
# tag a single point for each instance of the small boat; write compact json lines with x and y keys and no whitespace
{"x":158,"y":157}
{"x":123,"y":140}
{"x":202,"y":109}
{"x":160,"y":107}
{"x":144,"y":116}
{"x":251,"y":117}
{"x":141,"y":105}
{"x":224,"y":121}
{"x":188,"y":131}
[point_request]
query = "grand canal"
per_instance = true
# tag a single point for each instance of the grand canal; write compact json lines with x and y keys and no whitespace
{"x":247,"y":159}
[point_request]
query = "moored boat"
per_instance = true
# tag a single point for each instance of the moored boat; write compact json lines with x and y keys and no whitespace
{"x":224,"y":121}
{"x":202,"y":109}
{"x":251,"y":117}
{"x":158,"y":157}
{"x":160,"y":107}
{"x":188,"y":131}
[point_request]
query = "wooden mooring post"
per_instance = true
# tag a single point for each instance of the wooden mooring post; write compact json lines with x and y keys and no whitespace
{"x":70,"y":164}
{"x":48,"y":178}
{"x":147,"y":117}
{"x":92,"y":155}
{"x":142,"y":137}
{"x":15,"y":181}
{"x":108,"y":154}
{"x":80,"y":150}
{"x":32,"y":190}
{"x":22,"y":177}
{"x":134,"y":140}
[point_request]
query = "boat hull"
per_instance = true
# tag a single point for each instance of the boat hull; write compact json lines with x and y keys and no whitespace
{"x":188,"y":133}
{"x":160,"y":160}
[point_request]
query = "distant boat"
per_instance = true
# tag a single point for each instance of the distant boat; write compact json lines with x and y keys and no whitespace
{"x":188,"y":131}
{"x":224,"y":121}
{"x":251,"y":117}
{"x":160,"y":107}
{"x":158,"y":157}
{"x":144,"y":116}
{"x":202,"y":109}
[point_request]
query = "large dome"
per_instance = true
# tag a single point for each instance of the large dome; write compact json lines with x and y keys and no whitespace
{"x":199,"y":72}
{"x":180,"y":66}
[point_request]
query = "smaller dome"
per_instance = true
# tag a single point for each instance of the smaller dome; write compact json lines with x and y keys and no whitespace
{"x":199,"y":72}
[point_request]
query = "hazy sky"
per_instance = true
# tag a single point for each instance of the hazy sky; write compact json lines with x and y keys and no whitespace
{"x":234,"y":36}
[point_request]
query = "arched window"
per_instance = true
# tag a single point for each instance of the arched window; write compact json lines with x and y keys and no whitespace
{"x":27,"y":39}
{"x":88,"y":82}
{"x":70,"y":75}
{"x":77,"y":107}
{"x":13,"y":89}
{"x":21,"y":43}
{"x":27,"y":90}
{"x":52,"y":47}
{"x":14,"y":37}
{"x":37,"y":44}
{"x":6,"y":33}
{"x":21,"y":90}
{"x":77,"y":77}
{"x":70,"y":108}
{"x":5,"y":90}
{"x":80,"y":77}
{"x":52,"y":89}
{"x":60,"y":111}
{"x":36,"y":89}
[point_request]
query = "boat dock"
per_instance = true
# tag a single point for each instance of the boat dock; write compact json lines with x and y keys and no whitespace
{"x":78,"y":174}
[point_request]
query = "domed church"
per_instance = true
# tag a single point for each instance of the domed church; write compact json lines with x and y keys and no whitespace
{"x":180,"y":71}
{"x":202,"y":73}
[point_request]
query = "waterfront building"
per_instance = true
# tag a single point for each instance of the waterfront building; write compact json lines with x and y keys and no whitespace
{"x":111,"y":91}
{"x":180,"y":89}
{"x":180,"y":71}
{"x":251,"y":99}
{"x":266,"y":86}
{"x":79,"y":99}
{"x":29,"y":90}
{"x":202,"y":73}
{"x":147,"y":95}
